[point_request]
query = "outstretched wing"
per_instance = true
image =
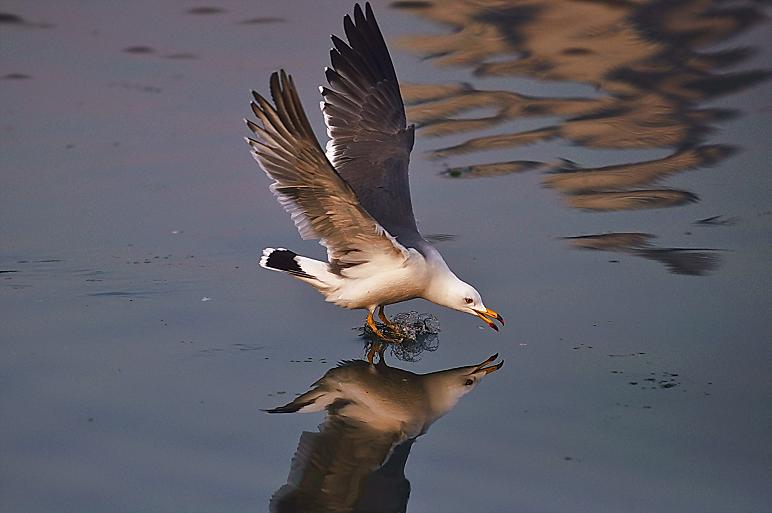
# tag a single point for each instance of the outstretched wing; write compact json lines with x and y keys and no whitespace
{"x":369,"y":142}
{"x":321,"y":203}
{"x":331,"y":469}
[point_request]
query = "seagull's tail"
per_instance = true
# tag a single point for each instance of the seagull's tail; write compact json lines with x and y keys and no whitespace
{"x":314,"y":400}
{"x":309,"y":270}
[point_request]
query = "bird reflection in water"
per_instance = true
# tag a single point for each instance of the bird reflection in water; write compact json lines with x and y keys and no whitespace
{"x":355,"y":463}
{"x":650,"y":62}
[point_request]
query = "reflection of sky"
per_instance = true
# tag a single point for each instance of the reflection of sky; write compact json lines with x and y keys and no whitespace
{"x":174,"y":422}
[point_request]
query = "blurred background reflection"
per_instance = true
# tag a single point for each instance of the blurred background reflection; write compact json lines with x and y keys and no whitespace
{"x":653,"y":68}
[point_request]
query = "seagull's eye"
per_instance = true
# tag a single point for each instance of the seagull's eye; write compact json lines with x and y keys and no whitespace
{"x":469,"y":382}
{"x":468,"y":300}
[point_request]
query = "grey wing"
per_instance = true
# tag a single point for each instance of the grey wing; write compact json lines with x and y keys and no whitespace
{"x":330,"y":468}
{"x":321,"y":203}
{"x":369,"y":143}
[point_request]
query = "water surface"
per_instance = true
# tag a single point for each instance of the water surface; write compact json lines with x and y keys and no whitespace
{"x":617,"y":212}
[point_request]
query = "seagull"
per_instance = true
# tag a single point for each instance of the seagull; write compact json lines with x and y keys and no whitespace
{"x":355,"y":197}
{"x":374,"y":413}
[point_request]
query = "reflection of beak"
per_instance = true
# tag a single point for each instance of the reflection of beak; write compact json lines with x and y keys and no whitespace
{"x":487,"y":370}
{"x":489,"y":314}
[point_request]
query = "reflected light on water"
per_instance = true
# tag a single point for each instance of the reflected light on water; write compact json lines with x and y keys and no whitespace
{"x":692,"y":262}
{"x":650,"y":63}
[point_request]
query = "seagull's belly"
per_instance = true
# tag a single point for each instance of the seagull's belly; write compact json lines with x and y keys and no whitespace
{"x":382,"y":288}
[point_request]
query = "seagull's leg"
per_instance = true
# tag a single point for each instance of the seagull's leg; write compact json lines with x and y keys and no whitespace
{"x":382,"y":315}
{"x":371,"y":323}
{"x":376,"y":346}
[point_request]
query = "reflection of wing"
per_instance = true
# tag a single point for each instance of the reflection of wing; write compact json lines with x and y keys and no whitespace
{"x":330,"y":468}
{"x":321,"y":204}
{"x":370,"y":144}
{"x":387,"y":490}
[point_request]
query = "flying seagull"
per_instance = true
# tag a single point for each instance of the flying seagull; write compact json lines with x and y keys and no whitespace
{"x":355,"y":198}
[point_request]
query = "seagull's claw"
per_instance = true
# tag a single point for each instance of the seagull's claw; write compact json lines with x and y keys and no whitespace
{"x":385,"y":320}
{"x":374,"y":327}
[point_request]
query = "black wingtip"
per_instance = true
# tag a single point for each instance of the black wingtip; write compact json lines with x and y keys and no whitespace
{"x":339,"y":44}
{"x":292,"y":407}
{"x":348,"y":25}
{"x":329,"y":73}
{"x":280,"y":409}
{"x":287,"y":408}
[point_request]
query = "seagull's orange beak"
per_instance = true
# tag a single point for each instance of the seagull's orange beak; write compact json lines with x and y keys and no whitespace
{"x":487,"y":317}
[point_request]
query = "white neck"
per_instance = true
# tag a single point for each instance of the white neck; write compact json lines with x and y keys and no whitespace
{"x":444,"y":286}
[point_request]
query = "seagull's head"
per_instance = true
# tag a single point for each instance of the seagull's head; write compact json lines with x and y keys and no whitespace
{"x":458,"y":295}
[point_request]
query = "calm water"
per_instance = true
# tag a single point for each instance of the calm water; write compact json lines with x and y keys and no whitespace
{"x":600,"y":170}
